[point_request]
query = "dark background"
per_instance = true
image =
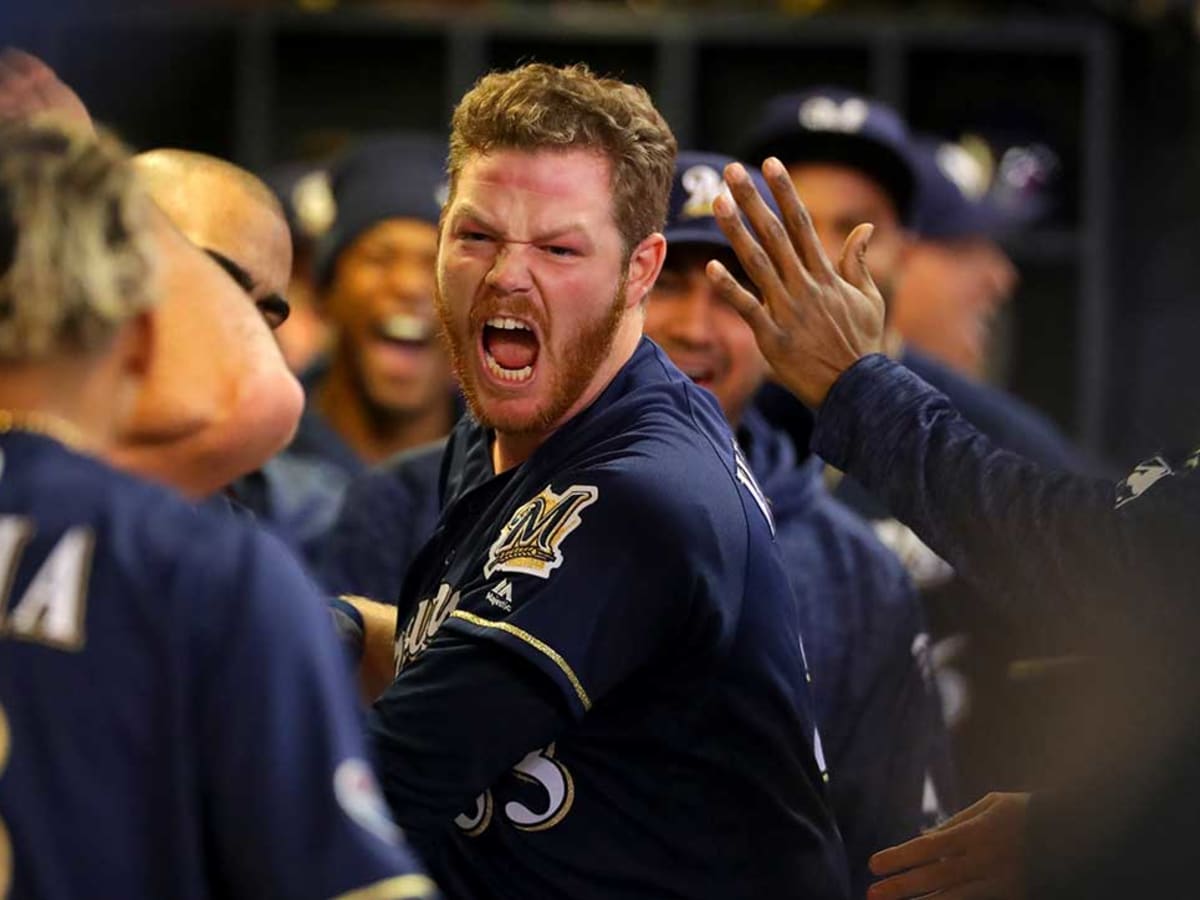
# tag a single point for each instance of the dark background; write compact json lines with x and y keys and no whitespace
{"x":1105,"y":325}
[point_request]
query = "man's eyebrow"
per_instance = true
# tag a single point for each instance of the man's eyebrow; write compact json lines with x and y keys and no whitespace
{"x":244,"y":279}
{"x":566,"y":229}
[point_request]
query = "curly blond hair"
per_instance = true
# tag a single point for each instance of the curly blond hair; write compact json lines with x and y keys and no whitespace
{"x":75,"y":256}
{"x":539,"y":107}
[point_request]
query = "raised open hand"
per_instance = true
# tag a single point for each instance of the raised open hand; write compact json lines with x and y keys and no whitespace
{"x":814,"y":320}
{"x":29,"y":87}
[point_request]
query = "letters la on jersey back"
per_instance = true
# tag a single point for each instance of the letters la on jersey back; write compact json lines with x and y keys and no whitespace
{"x":146,"y":750}
{"x":631,"y":560}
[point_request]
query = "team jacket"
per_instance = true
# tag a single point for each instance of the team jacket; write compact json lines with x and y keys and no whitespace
{"x":626,"y":574}
{"x":864,"y":631}
{"x":1116,"y":569}
{"x":175,"y":715}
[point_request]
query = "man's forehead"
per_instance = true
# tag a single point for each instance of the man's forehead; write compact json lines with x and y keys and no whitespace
{"x":554,"y":173}
{"x":841,"y":184}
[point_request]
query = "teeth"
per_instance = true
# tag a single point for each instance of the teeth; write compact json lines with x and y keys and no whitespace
{"x":513,"y":375}
{"x":506,"y":324}
{"x":403,"y":327}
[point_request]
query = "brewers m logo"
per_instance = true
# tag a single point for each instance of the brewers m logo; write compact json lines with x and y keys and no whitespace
{"x":529,"y":543}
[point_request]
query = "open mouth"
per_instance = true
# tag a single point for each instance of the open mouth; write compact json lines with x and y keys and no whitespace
{"x":510,"y":349}
{"x":702,"y":374}
{"x":405,"y":330}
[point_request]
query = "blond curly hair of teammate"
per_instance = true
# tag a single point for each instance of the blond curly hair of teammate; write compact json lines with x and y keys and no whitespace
{"x":75,"y":258}
{"x":542,"y":107}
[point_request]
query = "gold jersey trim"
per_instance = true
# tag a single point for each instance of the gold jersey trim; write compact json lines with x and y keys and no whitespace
{"x":541,"y":646}
{"x":399,"y":887}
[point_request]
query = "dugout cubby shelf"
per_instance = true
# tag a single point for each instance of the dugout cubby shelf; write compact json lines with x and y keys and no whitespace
{"x":263,"y":85}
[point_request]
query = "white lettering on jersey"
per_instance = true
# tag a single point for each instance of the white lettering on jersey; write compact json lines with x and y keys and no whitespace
{"x":540,"y":768}
{"x":476,"y":822}
{"x":431,"y":614}
{"x":1141,"y":479}
{"x":746,"y":477}
{"x":51,"y":611}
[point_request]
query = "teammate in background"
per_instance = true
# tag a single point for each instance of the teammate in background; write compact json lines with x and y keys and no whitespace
{"x":1114,"y":567}
{"x":132,"y":616}
{"x":220,"y":400}
{"x":600,"y":688}
{"x":955,"y":277}
{"x":850,"y":160}
{"x":864,"y":630}
{"x":386,"y":385}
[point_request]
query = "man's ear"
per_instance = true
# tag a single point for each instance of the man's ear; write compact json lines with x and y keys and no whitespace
{"x":645,"y":262}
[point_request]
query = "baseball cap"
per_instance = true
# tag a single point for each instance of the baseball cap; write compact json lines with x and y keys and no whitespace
{"x":831,"y":124}
{"x":697,"y":183}
{"x":397,"y":176}
{"x":303,"y":191}
{"x":953,"y":194}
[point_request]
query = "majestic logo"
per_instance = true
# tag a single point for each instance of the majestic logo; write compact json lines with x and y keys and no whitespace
{"x":703,"y":185}
{"x":826,"y":114}
{"x":431,"y":614}
{"x":529,"y":543}
{"x":501,"y":595}
{"x":1141,"y":479}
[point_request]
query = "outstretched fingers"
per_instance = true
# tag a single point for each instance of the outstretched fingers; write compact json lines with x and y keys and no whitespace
{"x":798,"y":223}
{"x":756,"y":262}
{"x":747,"y":305}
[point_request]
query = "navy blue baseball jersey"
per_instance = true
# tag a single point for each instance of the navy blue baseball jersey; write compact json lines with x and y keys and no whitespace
{"x":177,"y":718}
{"x":868,"y":650}
{"x":626,"y":575}
{"x":1114,"y":569}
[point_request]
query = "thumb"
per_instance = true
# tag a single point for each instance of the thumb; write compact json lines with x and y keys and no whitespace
{"x":852,"y":265}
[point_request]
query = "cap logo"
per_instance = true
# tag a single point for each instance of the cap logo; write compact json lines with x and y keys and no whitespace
{"x":827,"y":114}
{"x":967,"y":173}
{"x":703,"y":185}
{"x":312,"y":198}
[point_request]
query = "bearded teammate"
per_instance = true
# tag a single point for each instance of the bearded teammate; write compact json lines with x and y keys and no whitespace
{"x":600,"y":686}
{"x":174,"y":719}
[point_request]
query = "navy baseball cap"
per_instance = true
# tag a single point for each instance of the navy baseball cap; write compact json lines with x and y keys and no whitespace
{"x":954,"y":194}
{"x":398,"y":176}
{"x":698,"y":181}
{"x":835,"y":125}
{"x":303,"y":191}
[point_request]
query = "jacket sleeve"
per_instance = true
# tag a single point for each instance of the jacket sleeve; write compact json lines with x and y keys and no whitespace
{"x":1040,"y":540}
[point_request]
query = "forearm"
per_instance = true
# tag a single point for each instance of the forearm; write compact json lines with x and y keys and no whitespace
{"x":997,"y":518}
{"x":454,"y":722}
{"x":377,"y":665}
